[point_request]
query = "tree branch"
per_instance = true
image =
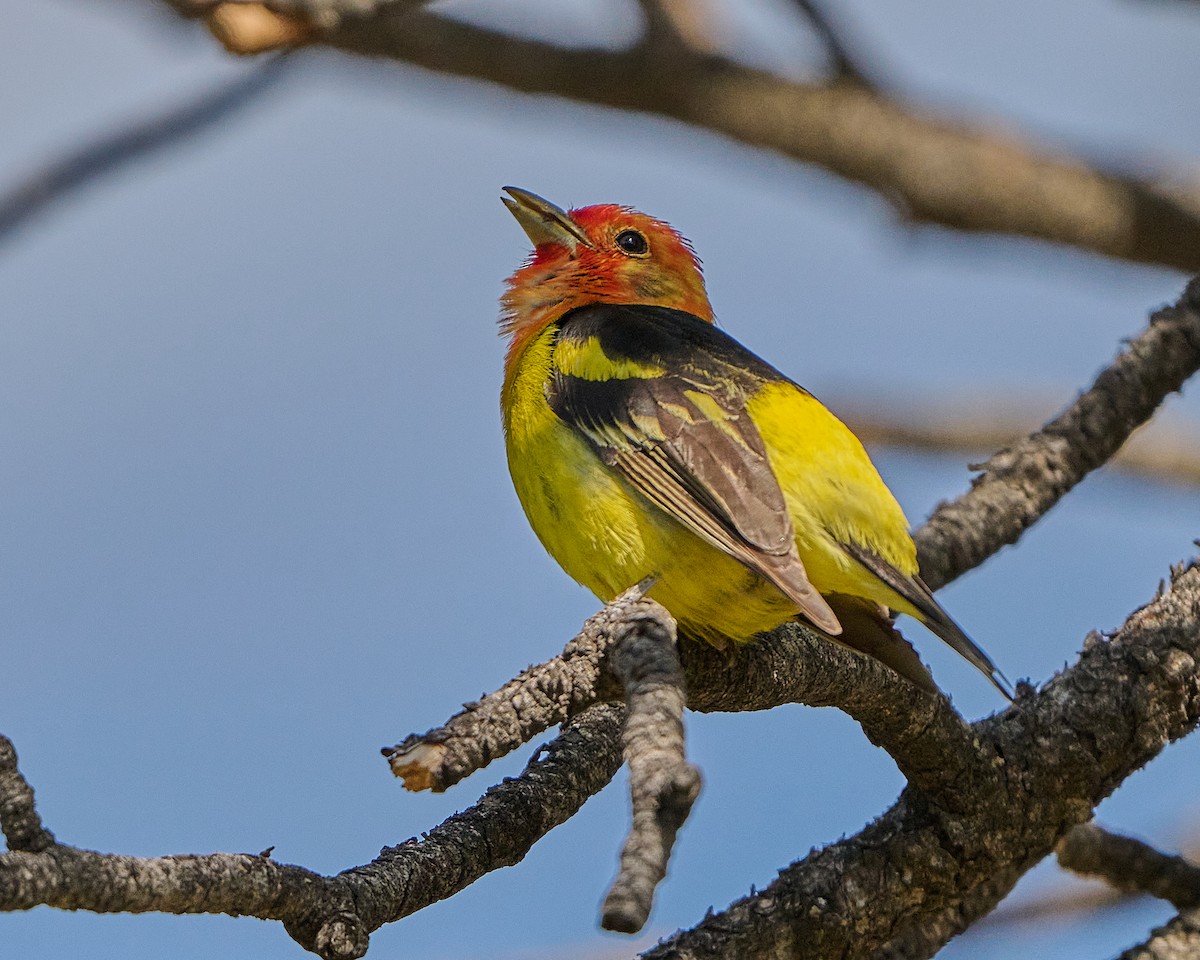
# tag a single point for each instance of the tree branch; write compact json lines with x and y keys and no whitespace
{"x":936,"y":170}
{"x":1130,"y":865}
{"x":331,"y":916}
{"x":1178,"y":940}
{"x":1020,"y":484}
{"x":922,"y":873}
{"x":19,"y":818}
{"x":538,"y":698}
{"x":662,"y":784}
{"x":91,"y":161}
{"x":951,"y":425}
{"x":847,"y":66}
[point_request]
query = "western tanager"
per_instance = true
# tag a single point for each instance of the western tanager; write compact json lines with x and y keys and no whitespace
{"x":646,"y":443}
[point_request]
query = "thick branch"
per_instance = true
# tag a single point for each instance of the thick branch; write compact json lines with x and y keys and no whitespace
{"x":940,"y":171}
{"x":923,"y":873}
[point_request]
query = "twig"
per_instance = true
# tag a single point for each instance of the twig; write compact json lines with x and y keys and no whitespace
{"x":59,"y":178}
{"x":1130,"y":865}
{"x":19,"y":818}
{"x":534,"y":701}
{"x":662,"y":784}
{"x":847,"y":67}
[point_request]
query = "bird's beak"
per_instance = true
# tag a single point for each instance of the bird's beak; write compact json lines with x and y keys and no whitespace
{"x":542,"y":221}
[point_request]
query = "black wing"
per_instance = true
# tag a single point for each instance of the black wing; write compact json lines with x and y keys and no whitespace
{"x":661,"y":395}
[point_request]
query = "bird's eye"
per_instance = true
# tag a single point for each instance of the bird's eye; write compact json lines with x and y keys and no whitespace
{"x":632,"y":243}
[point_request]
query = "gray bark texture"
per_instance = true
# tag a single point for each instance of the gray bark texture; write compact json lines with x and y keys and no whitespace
{"x":984,"y":803}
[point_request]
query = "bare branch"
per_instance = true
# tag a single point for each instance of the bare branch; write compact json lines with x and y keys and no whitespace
{"x":19,"y":818}
{"x":1073,"y":901}
{"x":539,"y":698}
{"x":662,"y":784}
{"x":922,"y":873}
{"x":692,"y":21}
{"x":936,"y":170}
{"x":88,"y":163}
{"x":1020,"y":484}
{"x":986,"y":424}
{"x":1130,"y":865}
{"x":333,"y":916}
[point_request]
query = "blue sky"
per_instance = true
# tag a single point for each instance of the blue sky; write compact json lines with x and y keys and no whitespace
{"x":256,"y":521}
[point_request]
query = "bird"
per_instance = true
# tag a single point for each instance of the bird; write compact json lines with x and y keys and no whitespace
{"x":646,"y":445}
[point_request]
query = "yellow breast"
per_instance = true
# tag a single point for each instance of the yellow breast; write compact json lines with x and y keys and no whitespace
{"x":608,"y":537}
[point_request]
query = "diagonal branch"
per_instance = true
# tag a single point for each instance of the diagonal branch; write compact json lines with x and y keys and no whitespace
{"x":936,"y":170}
{"x":922,"y":873}
{"x":1020,"y":484}
{"x":91,"y":161}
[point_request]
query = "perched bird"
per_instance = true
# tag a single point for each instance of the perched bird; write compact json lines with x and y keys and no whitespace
{"x":644,"y":442}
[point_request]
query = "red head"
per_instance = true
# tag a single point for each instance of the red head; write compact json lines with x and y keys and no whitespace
{"x":600,"y":254}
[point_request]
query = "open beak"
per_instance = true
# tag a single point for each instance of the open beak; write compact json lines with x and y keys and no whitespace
{"x":542,"y":221}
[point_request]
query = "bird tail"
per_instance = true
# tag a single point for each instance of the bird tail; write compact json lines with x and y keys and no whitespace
{"x":867,"y":629}
{"x":912,"y":589}
{"x":943,"y":626}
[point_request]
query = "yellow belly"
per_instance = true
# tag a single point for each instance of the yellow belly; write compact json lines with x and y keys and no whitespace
{"x":608,"y":537}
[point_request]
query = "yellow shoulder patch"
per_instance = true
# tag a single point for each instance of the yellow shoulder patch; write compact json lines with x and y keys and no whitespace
{"x":587,"y":360}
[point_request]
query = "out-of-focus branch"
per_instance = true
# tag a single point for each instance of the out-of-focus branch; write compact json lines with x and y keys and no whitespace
{"x":1019,"y":484}
{"x":1072,"y":898}
{"x":847,"y":65}
{"x":1130,"y":865}
{"x":1156,"y":452}
{"x":60,"y":177}
{"x":936,"y":170}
